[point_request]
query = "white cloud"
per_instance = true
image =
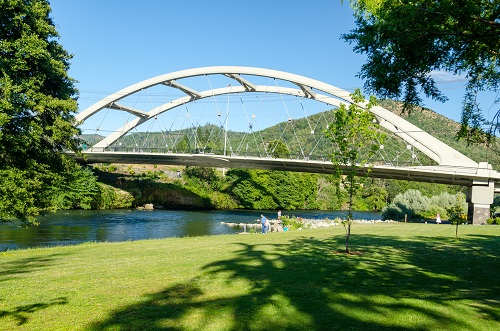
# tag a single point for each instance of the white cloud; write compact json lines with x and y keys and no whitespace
{"x":447,"y":77}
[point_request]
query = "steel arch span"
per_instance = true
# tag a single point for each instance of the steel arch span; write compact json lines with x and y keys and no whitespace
{"x":309,"y":88}
{"x":451,"y":167}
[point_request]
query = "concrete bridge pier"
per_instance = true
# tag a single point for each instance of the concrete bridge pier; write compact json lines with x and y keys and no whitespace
{"x":479,"y":197}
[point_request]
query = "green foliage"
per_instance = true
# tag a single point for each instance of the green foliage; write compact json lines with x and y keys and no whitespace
{"x":110,"y":197}
{"x":406,"y":41}
{"x":456,"y":215}
{"x":395,"y":187}
{"x":21,"y":196}
{"x":37,"y":105}
{"x":222,"y":201}
{"x":442,"y":128}
{"x":183,"y":146}
{"x":278,"y":149}
{"x":262,"y":189}
{"x":495,"y":207}
{"x":329,"y":194}
{"x":80,"y":191}
{"x":206,"y":174}
{"x":411,"y":203}
{"x":493,"y":221}
{"x":250,"y":189}
{"x":356,"y":136}
{"x":355,"y":133}
{"x":291,"y":222}
{"x":373,"y":196}
{"x":417,"y":206}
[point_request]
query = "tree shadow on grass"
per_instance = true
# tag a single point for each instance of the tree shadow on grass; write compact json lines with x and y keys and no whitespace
{"x":394,"y":284}
{"x":10,"y":269}
{"x":20,"y":313}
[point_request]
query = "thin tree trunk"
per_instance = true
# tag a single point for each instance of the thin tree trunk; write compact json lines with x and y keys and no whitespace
{"x":347,"y":238}
{"x":349,"y":218}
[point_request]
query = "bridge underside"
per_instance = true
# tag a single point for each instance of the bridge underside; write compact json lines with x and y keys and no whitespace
{"x":431,"y":174}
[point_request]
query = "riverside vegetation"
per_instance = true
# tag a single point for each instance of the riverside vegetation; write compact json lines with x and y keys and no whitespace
{"x":206,"y":188}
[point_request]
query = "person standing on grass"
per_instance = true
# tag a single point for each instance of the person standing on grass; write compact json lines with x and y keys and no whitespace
{"x":265,"y":223}
{"x":279,"y":215}
{"x":438,"y":219}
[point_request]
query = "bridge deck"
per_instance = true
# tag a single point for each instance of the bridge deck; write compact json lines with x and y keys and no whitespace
{"x":464,"y":176}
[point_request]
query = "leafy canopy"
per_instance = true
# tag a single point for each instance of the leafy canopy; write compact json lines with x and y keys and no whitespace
{"x":37,"y":105}
{"x":357,"y":137}
{"x":407,"y":41}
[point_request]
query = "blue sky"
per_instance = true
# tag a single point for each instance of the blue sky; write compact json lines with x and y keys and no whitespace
{"x":119,"y":43}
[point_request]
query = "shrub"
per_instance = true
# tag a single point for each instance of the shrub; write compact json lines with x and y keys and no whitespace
{"x":222,"y":201}
{"x":412,"y":203}
{"x":292,"y":222}
{"x":493,"y":221}
{"x":457,"y":215}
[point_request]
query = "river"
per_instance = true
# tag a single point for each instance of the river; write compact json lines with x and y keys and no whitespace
{"x":79,"y":226}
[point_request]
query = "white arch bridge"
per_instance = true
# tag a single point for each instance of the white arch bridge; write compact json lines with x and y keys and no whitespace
{"x":249,"y":117}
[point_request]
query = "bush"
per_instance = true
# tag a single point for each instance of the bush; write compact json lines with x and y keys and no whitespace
{"x":417,"y":206}
{"x":78,"y":190}
{"x":412,"y":203}
{"x":222,"y":201}
{"x":292,"y":223}
{"x":493,"y":221}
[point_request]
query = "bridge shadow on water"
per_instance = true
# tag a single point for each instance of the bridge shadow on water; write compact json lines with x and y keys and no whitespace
{"x":392,"y":284}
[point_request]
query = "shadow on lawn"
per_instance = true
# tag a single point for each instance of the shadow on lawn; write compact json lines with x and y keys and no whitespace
{"x":394,"y":284}
{"x":9,"y":270}
{"x":20,"y":313}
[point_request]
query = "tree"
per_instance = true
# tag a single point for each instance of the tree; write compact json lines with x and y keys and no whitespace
{"x":183,"y":146}
{"x":456,"y":215}
{"x":406,"y":41}
{"x":411,"y":203}
{"x":278,"y":149}
{"x":357,"y":136}
{"x":37,"y":105}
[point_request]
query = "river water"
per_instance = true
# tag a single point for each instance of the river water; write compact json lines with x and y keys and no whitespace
{"x":78,"y":226}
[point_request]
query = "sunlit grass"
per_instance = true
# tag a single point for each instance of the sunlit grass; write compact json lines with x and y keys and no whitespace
{"x":403,"y":276}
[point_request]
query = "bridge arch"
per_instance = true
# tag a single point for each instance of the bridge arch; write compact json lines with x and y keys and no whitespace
{"x":305,"y":87}
{"x":452,"y":167}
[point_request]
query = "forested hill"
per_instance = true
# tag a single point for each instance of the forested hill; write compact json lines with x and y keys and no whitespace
{"x":445,"y":130}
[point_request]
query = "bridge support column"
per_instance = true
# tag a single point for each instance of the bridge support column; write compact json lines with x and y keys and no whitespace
{"x":479,"y":197}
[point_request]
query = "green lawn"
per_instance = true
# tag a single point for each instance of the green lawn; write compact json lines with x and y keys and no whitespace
{"x":402,"y":277}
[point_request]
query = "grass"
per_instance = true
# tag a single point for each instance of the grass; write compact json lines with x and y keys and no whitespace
{"x":405,"y":277}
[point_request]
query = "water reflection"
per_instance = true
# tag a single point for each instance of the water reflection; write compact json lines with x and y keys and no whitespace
{"x":77,"y":226}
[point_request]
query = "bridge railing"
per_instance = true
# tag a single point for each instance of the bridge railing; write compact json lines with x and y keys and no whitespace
{"x":290,"y":156}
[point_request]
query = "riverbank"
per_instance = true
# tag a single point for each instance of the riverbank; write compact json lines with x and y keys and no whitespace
{"x":279,"y":281}
{"x":79,"y":226}
{"x":299,"y":224}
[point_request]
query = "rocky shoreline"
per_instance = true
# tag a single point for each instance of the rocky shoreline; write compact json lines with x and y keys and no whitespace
{"x":306,"y":224}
